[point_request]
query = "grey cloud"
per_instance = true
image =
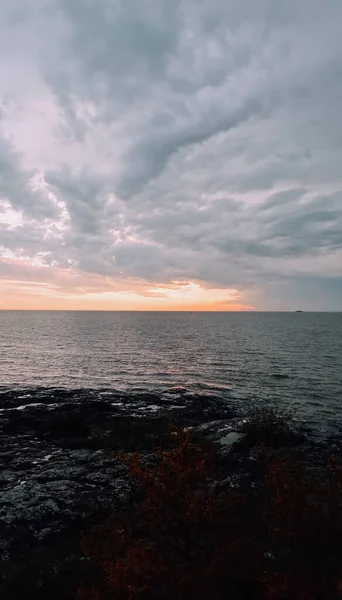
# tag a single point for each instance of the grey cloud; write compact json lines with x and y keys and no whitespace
{"x":113,"y":37}
{"x":85,"y":197}
{"x":144,"y":54}
{"x":311,"y":226}
{"x":88,"y":240}
{"x":136,"y":259}
{"x":15,"y":185}
{"x":116,"y":50}
{"x":150,"y":156}
{"x":308,"y":292}
{"x":283,"y":198}
{"x":303,"y":229}
{"x":223,"y":146}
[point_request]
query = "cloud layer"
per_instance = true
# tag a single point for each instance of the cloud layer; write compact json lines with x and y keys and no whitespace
{"x":183,"y":153}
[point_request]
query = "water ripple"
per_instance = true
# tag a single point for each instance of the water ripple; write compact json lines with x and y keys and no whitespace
{"x":292,"y":359}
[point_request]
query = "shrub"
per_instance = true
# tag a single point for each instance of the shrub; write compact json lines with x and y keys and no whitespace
{"x":270,"y":427}
{"x":303,"y":513}
{"x":185,"y":539}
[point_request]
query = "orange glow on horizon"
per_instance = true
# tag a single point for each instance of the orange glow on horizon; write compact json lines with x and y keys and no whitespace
{"x":39,"y":302}
{"x":58,"y":289}
{"x":94,"y":308}
{"x":138,"y":303}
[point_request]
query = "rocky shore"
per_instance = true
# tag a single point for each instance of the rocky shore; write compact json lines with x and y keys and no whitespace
{"x":60,"y":470}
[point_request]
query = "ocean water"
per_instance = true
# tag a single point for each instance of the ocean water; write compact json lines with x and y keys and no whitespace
{"x":290,"y":359}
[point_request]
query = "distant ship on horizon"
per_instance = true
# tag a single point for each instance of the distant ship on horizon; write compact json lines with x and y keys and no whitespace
{"x":299,"y":311}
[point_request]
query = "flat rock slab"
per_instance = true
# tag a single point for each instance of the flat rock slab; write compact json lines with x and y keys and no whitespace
{"x":231,"y":438}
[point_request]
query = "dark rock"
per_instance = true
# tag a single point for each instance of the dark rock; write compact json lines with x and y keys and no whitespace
{"x":59,"y":471}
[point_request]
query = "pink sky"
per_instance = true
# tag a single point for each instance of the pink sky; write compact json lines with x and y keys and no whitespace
{"x":57,"y":289}
{"x":170,"y":156}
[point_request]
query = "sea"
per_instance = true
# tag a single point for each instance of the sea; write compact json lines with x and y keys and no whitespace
{"x":290,"y":360}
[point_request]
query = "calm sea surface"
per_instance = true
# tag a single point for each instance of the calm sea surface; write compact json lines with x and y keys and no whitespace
{"x":293,"y":359}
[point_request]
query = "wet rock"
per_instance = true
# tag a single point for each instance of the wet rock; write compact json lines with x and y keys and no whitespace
{"x":59,"y":471}
{"x":231,"y":438}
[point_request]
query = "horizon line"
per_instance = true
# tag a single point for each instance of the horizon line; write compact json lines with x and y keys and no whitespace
{"x":166,"y":311}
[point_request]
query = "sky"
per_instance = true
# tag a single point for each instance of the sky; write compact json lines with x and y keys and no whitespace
{"x":171,"y":155}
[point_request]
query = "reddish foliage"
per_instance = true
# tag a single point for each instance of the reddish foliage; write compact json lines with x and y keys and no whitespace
{"x":187,"y":540}
{"x":182,"y":541}
{"x":270,"y":427}
{"x":303,"y":512}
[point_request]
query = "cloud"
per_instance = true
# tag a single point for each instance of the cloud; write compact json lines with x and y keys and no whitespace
{"x":163,"y":141}
{"x":17,"y":185}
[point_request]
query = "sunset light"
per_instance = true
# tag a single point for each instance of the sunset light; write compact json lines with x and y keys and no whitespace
{"x":67,"y":289}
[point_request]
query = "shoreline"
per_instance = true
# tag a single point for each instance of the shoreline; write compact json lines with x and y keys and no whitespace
{"x":59,"y":469}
